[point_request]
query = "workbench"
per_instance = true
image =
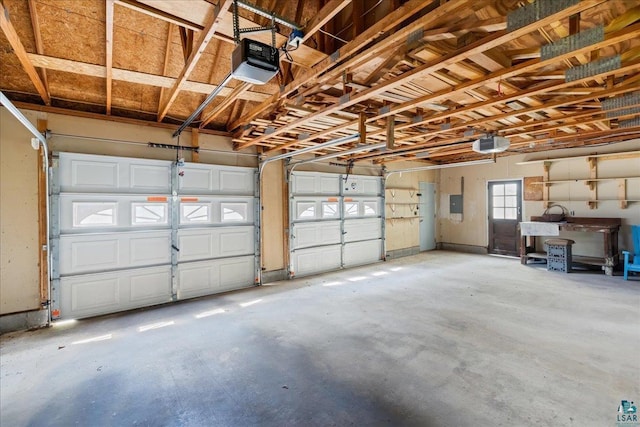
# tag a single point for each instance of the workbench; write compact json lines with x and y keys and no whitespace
{"x":609,"y":228}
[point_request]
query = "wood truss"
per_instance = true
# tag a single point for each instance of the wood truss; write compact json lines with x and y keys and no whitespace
{"x":424,"y":77}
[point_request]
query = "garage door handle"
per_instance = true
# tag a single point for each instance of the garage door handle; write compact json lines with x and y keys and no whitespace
{"x":175,"y":247}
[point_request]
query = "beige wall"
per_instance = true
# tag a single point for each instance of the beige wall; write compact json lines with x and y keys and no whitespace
{"x":405,"y":233}
{"x":471,"y":229}
{"x":19,"y":271}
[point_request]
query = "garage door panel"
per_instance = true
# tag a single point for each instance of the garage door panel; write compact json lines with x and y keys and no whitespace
{"x":149,"y":250}
{"x":115,"y":234}
{"x":316,"y":260}
{"x":205,"y":243}
{"x":145,"y":177}
{"x":359,"y":253}
{"x":315,"y":233}
{"x":204,"y":278}
{"x":95,"y":294}
{"x":105,"y":174}
{"x":236,"y":241}
{"x":91,"y":255}
{"x":85,"y":253}
{"x":237,"y":181}
{"x":310,"y":183}
{"x":201,"y":179}
{"x":362,"y":229}
{"x":84,"y":213}
{"x":195,"y":245}
{"x":362,"y":185}
{"x":220,"y":210}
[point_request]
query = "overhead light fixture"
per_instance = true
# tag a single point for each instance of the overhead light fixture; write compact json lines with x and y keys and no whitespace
{"x":490,"y":144}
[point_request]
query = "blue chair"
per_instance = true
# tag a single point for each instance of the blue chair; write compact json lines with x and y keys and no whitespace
{"x":633,"y":264}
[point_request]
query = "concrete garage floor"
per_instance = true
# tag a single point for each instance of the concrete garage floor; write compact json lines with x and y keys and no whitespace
{"x":437,"y":339}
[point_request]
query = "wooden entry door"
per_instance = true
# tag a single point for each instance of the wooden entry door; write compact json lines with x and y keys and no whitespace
{"x":505,"y":212}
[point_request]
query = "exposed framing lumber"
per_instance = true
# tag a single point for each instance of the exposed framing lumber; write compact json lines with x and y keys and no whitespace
{"x":37,"y":35}
{"x":323,"y":16}
{"x":195,"y":142}
{"x":157,"y":13}
{"x":83,"y":68}
{"x":480,"y":46}
{"x":621,"y":89}
{"x":167,"y":54}
{"x":109,"y":49}
{"x":503,"y":74}
{"x":115,"y":119}
{"x":21,"y":53}
{"x":391,"y":137}
{"x":197,"y":52}
{"x":357,"y":11}
{"x":186,"y":37}
{"x":218,"y":109}
{"x":396,"y":17}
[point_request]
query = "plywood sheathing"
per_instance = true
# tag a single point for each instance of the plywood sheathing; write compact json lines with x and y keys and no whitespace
{"x":432,"y":110}
{"x":475,"y":67}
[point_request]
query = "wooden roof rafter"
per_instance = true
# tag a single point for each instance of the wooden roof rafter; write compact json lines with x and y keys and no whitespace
{"x":203,"y":40}
{"x":396,"y":17}
{"x":18,"y":48}
{"x":37,"y":35}
{"x":109,"y":51}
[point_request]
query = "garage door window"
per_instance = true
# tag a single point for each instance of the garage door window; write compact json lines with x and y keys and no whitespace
{"x":306,"y":210}
{"x":351,"y":209}
{"x":370,"y":208}
{"x":234,"y":212}
{"x":329,"y":210}
{"x":149,"y":214}
{"x":195,"y":213}
{"x":92,"y":214}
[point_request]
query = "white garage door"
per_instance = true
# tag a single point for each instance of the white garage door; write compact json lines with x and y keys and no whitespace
{"x":129,"y":233}
{"x":335,"y":221}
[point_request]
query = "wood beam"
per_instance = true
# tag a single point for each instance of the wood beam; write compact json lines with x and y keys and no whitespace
{"x":186,"y":38}
{"x":362,"y":128}
{"x":391,"y":137}
{"x":619,"y":90}
{"x":18,"y":48}
{"x":115,"y":119}
{"x":197,"y":52}
{"x":357,"y":12}
{"x":218,"y":109}
{"x":109,"y":54}
{"x":137,"y":77}
{"x":195,"y":143}
{"x":324,"y":15}
{"x":394,"y":18}
{"x":165,"y":67}
{"x":504,"y":74}
{"x":37,"y":34}
{"x":159,"y":14}
{"x":480,"y":46}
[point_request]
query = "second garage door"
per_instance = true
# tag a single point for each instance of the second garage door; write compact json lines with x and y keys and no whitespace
{"x":335,"y":221}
